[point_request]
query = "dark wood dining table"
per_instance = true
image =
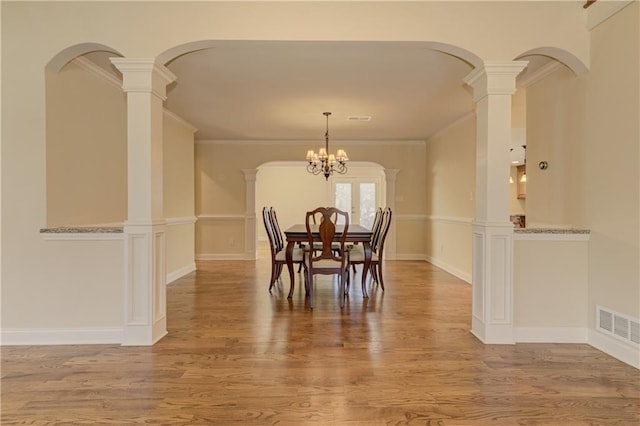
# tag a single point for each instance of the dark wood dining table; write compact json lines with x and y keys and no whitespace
{"x":355,"y":234}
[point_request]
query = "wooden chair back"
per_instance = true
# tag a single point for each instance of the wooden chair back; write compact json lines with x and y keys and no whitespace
{"x":328,"y":218}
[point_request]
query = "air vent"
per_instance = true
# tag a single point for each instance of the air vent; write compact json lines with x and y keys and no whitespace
{"x":359,"y":118}
{"x":621,"y":326}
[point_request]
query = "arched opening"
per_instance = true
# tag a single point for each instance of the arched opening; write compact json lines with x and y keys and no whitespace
{"x":86,"y":138}
{"x":292,"y":191}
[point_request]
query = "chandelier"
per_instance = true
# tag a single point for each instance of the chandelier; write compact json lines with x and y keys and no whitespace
{"x":326,"y":163}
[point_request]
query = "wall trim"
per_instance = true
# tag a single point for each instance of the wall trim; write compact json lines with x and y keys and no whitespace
{"x":180,"y":120}
{"x":61,"y":336}
{"x":82,"y":236}
{"x":179,"y":273}
{"x":411,"y":256}
{"x":309,"y":142}
{"x":518,"y":236}
{"x":615,"y":348}
{"x":190,"y":220}
{"x":600,"y":11}
{"x":451,"y":125}
{"x":459,"y":273}
{"x":451,"y":219}
{"x":550,"y":334}
{"x":540,"y":73}
{"x":411,"y":217}
{"x":93,"y":68}
{"x":222,"y":217}
{"x":222,"y":256}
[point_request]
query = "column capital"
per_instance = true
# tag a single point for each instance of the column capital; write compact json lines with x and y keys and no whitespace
{"x":390,"y":174}
{"x":494,"y":78}
{"x":144,"y":75}
{"x":249,"y":174}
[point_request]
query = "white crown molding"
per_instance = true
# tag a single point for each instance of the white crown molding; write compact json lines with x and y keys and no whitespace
{"x":308,"y":142}
{"x":172,"y":115}
{"x":453,"y":124}
{"x":93,"y":68}
{"x":540,"y":73}
{"x":99,"y":72}
{"x":602,"y":10}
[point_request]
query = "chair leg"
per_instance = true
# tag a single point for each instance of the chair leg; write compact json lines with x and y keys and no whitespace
{"x":272,"y":279}
{"x":341,"y":291}
{"x":310,"y":291}
{"x":380,"y":279}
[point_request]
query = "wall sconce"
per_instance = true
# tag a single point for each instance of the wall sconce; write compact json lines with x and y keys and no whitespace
{"x":543,"y":165}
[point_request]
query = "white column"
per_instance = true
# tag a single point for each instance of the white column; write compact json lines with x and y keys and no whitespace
{"x":492,"y":239}
{"x":390,"y":175}
{"x":250,"y":214}
{"x":145,"y":319}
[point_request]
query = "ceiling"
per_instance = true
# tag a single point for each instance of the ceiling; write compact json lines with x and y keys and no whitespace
{"x":250,"y":90}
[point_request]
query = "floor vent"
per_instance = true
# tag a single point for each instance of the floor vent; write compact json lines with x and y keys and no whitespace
{"x":618,"y":325}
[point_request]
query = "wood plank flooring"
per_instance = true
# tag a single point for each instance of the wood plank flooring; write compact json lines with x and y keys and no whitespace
{"x":236,"y":354}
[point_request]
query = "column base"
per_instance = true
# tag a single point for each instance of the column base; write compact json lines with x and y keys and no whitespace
{"x":492,"y":282}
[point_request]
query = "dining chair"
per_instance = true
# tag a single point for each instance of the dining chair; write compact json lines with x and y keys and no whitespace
{"x":276,"y":245}
{"x":326,"y":260}
{"x":356,"y":255}
{"x":375,"y":228}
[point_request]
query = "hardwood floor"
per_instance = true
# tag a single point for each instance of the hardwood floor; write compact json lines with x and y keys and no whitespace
{"x":236,"y":354}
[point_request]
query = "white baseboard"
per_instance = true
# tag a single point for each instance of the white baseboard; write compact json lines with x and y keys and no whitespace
{"x":464,"y":276}
{"x":221,"y":256}
{"x":550,"y":334}
{"x":617,"y":349}
{"x":61,"y":336}
{"x":171,"y":277}
{"x":410,"y":256}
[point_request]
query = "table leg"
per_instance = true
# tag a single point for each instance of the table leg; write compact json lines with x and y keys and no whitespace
{"x":289,"y":257}
{"x":365,"y":267}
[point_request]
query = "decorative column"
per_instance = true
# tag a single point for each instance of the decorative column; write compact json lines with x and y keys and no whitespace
{"x":250,"y":214}
{"x":492,"y":232}
{"x":390,"y":175}
{"x":145,"y":320}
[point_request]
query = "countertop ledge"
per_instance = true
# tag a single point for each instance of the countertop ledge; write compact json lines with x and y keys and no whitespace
{"x":550,"y":231}
{"x":83,"y":230}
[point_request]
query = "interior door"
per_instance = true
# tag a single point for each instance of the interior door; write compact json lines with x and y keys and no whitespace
{"x":358,"y":196}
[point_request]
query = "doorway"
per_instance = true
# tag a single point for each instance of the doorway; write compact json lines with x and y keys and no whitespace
{"x":359,"y":196}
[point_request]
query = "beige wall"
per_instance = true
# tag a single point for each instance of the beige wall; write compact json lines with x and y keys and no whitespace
{"x":516,"y":205}
{"x":86,"y":149}
{"x":178,"y":195}
{"x":450,"y":192}
{"x":292,"y":191}
{"x":587,"y":128}
{"x":31,"y":37}
{"x":555,"y":195}
{"x":612,"y":164}
{"x":550,"y":280}
{"x":220,"y":184}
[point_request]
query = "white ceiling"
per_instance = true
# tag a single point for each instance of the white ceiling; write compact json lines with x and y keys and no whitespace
{"x":247,"y":90}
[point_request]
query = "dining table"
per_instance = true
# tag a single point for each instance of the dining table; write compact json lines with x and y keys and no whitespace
{"x":356,"y":234}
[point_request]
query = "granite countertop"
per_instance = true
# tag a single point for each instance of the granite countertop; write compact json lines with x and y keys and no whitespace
{"x":83,"y":230}
{"x":550,"y":231}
